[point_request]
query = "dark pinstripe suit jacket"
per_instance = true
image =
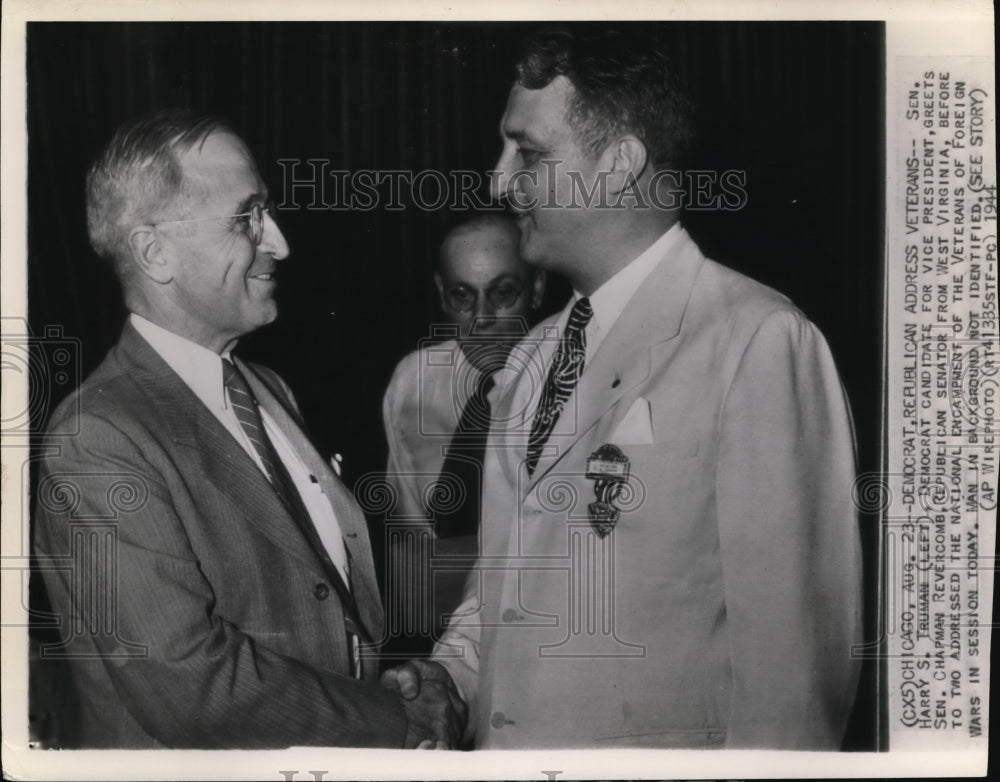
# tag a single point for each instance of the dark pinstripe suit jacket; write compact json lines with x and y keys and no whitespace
{"x":194,"y":612}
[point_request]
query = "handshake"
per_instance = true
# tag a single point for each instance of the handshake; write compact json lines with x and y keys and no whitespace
{"x":435,"y":712}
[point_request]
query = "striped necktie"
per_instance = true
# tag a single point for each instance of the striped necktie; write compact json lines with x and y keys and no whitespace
{"x":567,"y":366}
{"x":245,"y":407}
{"x":247,"y":413}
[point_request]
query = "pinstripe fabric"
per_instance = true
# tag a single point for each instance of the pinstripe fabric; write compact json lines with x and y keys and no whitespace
{"x":239,"y":642}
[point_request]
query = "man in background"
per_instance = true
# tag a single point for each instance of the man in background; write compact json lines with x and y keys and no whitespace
{"x":437,"y":415}
{"x":670,"y":552}
{"x":213,"y":578}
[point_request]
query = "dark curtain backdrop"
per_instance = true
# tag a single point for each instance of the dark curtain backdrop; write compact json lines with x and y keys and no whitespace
{"x":797,"y":106}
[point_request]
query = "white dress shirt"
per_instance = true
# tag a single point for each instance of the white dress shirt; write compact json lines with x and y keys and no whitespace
{"x":608,"y":303}
{"x":201,"y":369}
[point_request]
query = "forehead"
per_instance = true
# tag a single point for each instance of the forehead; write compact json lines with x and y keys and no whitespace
{"x":220,"y":167}
{"x":540,"y":113}
{"x":478,"y":256}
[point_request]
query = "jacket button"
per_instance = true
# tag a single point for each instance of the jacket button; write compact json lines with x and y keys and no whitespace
{"x":321,"y":591}
{"x":499,"y":719}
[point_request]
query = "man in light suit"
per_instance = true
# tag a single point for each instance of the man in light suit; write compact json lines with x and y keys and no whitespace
{"x":212,"y":576}
{"x":670,"y":549}
{"x":436,"y":417}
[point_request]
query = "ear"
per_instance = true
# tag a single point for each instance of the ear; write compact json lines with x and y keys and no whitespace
{"x":538,"y":292}
{"x":628,"y":161}
{"x":147,"y":254}
{"x":439,"y":284}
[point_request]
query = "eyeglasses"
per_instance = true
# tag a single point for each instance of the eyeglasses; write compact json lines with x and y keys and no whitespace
{"x":254,"y":218}
{"x":461,"y":298}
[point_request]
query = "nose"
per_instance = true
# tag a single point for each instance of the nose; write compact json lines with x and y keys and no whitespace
{"x":483,"y":308}
{"x":484,"y":315}
{"x":273,"y":242}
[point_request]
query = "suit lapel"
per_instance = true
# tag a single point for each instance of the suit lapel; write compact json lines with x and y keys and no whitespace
{"x":652,"y":317}
{"x":517,"y":392}
{"x":220,"y":458}
{"x":363,"y":594}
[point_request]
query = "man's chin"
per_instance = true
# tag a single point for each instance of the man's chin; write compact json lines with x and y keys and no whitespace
{"x":265,"y":315}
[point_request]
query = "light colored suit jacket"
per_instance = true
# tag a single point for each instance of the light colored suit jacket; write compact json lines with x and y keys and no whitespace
{"x":421,"y":410}
{"x":722,"y":608}
{"x":194,"y":611}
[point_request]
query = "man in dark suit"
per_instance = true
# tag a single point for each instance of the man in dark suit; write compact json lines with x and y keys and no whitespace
{"x":213,"y":577}
{"x":670,"y":553}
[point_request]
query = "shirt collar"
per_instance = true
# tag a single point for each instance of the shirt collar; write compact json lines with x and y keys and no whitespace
{"x":610,"y":300}
{"x":467,"y":376}
{"x":199,"y":367}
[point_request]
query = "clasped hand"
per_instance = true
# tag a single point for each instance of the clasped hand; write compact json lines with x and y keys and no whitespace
{"x":435,"y":712}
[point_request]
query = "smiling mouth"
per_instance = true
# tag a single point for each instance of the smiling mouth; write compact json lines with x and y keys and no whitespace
{"x":265,"y":276}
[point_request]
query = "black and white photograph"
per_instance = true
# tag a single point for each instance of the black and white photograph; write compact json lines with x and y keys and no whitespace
{"x":470,"y":386}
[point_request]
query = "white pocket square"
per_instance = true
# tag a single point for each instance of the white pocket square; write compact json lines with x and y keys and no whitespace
{"x":636,"y":428}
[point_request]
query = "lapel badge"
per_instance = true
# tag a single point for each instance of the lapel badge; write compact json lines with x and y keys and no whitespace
{"x":608,"y":467}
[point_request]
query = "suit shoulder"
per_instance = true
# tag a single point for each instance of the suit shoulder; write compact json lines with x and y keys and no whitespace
{"x":745,"y":300}
{"x":105,"y":393}
{"x":410,"y":369}
{"x":108,"y":422}
{"x":399,"y":383}
{"x":420,"y":395}
{"x":746,"y":315}
{"x":408,"y":366}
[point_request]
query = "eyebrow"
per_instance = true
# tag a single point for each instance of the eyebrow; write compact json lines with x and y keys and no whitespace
{"x":519,"y":135}
{"x":500,"y":278}
{"x":245,"y":205}
{"x":505,"y":277}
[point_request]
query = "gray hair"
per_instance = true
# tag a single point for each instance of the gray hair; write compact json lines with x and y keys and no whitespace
{"x":137,"y":173}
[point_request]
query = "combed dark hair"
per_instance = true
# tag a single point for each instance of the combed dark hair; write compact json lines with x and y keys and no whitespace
{"x":137,"y":173}
{"x":622,"y":83}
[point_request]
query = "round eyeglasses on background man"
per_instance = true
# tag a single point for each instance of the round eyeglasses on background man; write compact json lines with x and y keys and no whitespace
{"x":486,"y":289}
{"x":501,"y":296}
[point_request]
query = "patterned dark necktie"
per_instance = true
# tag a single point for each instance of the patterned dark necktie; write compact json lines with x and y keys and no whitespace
{"x":454,"y":500}
{"x":567,"y":366}
{"x":245,"y":407}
